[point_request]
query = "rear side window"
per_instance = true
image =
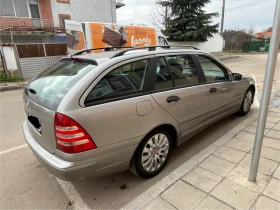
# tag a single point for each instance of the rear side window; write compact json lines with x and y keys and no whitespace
{"x":49,"y":88}
{"x":163,"y":76}
{"x":212,"y":70}
{"x":123,"y":81}
{"x":182,"y":69}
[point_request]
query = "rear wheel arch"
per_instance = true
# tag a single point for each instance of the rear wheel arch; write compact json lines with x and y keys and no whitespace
{"x":171,"y":129}
{"x":135,"y":164}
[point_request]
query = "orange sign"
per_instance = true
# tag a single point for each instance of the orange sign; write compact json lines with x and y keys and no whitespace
{"x":106,"y":35}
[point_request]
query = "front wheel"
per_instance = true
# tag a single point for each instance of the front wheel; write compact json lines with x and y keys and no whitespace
{"x":152,"y":154}
{"x":247,"y":102}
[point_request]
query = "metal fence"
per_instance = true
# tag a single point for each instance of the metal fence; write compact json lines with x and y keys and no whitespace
{"x":25,"y":22}
{"x":253,"y":46}
{"x":34,"y":58}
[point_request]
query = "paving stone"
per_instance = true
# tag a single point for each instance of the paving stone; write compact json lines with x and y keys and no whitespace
{"x":268,"y":125}
{"x":225,"y":138}
{"x":273,"y":189}
{"x":202,"y":179}
{"x":183,"y":196}
{"x":204,"y":153}
{"x":234,"y":195}
{"x":148,"y":196}
{"x":265,"y":203}
{"x":273,"y":119}
{"x":277,"y":127}
{"x":211,"y":203}
{"x":230,"y":154}
{"x":242,"y":145}
{"x":217,"y":165}
{"x":270,"y":153}
{"x":277,"y":173}
{"x":274,"y":134}
{"x":239,"y":175}
{"x":275,"y":110}
{"x":184,"y":168}
{"x":253,"y":129}
{"x":265,"y":166}
{"x":237,"y":129}
{"x":170,"y":178}
{"x":271,"y":142}
{"x":273,"y":114}
{"x":158,"y":203}
{"x":246,"y":136}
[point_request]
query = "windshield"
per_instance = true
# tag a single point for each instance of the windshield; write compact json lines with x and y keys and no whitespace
{"x":49,"y":87}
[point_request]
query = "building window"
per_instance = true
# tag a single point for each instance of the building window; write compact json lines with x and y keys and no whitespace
{"x":14,"y":8}
{"x":62,"y":18}
{"x":34,"y":9}
{"x":63,"y":1}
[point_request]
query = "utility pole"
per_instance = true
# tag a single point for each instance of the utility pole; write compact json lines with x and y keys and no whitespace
{"x":267,"y":86}
{"x":223,"y":17}
{"x":166,"y":24}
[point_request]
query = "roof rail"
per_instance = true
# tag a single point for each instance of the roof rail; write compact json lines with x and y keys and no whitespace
{"x":100,"y":48}
{"x":151,"y":48}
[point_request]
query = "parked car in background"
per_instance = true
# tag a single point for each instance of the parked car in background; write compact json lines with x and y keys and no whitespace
{"x":94,"y":114}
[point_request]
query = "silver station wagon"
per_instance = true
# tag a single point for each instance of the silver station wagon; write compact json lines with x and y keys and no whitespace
{"x":97,"y":113}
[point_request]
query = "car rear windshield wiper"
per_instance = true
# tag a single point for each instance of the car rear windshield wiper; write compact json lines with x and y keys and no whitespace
{"x":32,"y":91}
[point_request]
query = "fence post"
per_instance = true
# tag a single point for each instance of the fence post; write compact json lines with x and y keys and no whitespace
{"x":45,"y":52}
{"x":17,"y":60}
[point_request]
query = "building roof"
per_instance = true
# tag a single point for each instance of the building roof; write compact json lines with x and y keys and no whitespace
{"x":262,"y":35}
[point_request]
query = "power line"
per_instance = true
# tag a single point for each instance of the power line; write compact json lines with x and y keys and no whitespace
{"x":247,"y":5}
{"x":135,"y":13}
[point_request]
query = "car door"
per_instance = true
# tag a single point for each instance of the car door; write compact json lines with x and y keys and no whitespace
{"x":179,"y":91}
{"x":223,"y":92}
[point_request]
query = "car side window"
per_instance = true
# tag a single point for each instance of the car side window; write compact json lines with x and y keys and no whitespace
{"x":183,"y":70}
{"x":163,"y":76}
{"x":213,"y":71}
{"x":124,"y":80}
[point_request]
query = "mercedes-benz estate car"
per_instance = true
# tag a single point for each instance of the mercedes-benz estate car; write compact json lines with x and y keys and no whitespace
{"x":97,"y":113}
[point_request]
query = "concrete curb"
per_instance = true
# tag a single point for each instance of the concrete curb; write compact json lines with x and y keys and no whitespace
{"x":157,"y":189}
{"x":229,"y":57}
{"x":12,"y":86}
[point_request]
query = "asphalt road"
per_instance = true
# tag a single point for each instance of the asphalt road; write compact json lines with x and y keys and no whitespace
{"x":25,"y":184}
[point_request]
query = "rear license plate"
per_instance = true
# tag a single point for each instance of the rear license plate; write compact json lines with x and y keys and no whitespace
{"x":35,"y":122}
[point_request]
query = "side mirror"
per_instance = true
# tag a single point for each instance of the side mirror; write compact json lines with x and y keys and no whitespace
{"x":236,"y":76}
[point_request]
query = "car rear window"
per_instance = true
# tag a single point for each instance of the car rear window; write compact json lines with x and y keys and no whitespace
{"x":49,"y":87}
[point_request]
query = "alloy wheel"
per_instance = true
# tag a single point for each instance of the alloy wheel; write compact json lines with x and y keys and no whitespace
{"x":155,"y":152}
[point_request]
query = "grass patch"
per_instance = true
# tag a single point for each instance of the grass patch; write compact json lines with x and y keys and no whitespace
{"x":4,"y":79}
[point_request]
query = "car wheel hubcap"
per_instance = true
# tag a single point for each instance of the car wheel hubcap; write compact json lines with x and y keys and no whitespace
{"x":155,"y":152}
{"x":247,"y":101}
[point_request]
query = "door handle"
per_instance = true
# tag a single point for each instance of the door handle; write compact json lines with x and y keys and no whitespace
{"x":172,"y":98}
{"x":213,"y":90}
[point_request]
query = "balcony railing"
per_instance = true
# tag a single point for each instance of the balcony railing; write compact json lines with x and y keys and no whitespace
{"x":31,"y":23}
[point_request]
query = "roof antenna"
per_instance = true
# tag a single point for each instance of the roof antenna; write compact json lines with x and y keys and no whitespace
{"x":73,"y":60}
{"x":69,"y":54}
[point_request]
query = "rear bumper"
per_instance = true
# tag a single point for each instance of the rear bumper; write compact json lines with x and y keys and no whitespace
{"x":97,"y":166}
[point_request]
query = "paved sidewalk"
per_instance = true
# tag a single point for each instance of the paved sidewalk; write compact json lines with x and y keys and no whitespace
{"x":217,"y":177}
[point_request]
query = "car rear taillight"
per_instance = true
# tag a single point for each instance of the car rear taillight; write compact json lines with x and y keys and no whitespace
{"x":70,"y":136}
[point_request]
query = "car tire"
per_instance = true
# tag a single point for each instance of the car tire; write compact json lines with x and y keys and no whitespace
{"x":152,"y":154}
{"x":246,"y":103}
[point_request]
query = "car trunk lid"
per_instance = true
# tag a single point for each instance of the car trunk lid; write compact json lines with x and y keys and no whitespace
{"x":43,"y":95}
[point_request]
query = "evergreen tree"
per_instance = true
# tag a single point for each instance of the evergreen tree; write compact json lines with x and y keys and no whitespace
{"x":189,"y":21}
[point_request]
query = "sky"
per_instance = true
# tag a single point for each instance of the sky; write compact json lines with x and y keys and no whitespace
{"x":239,"y":14}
